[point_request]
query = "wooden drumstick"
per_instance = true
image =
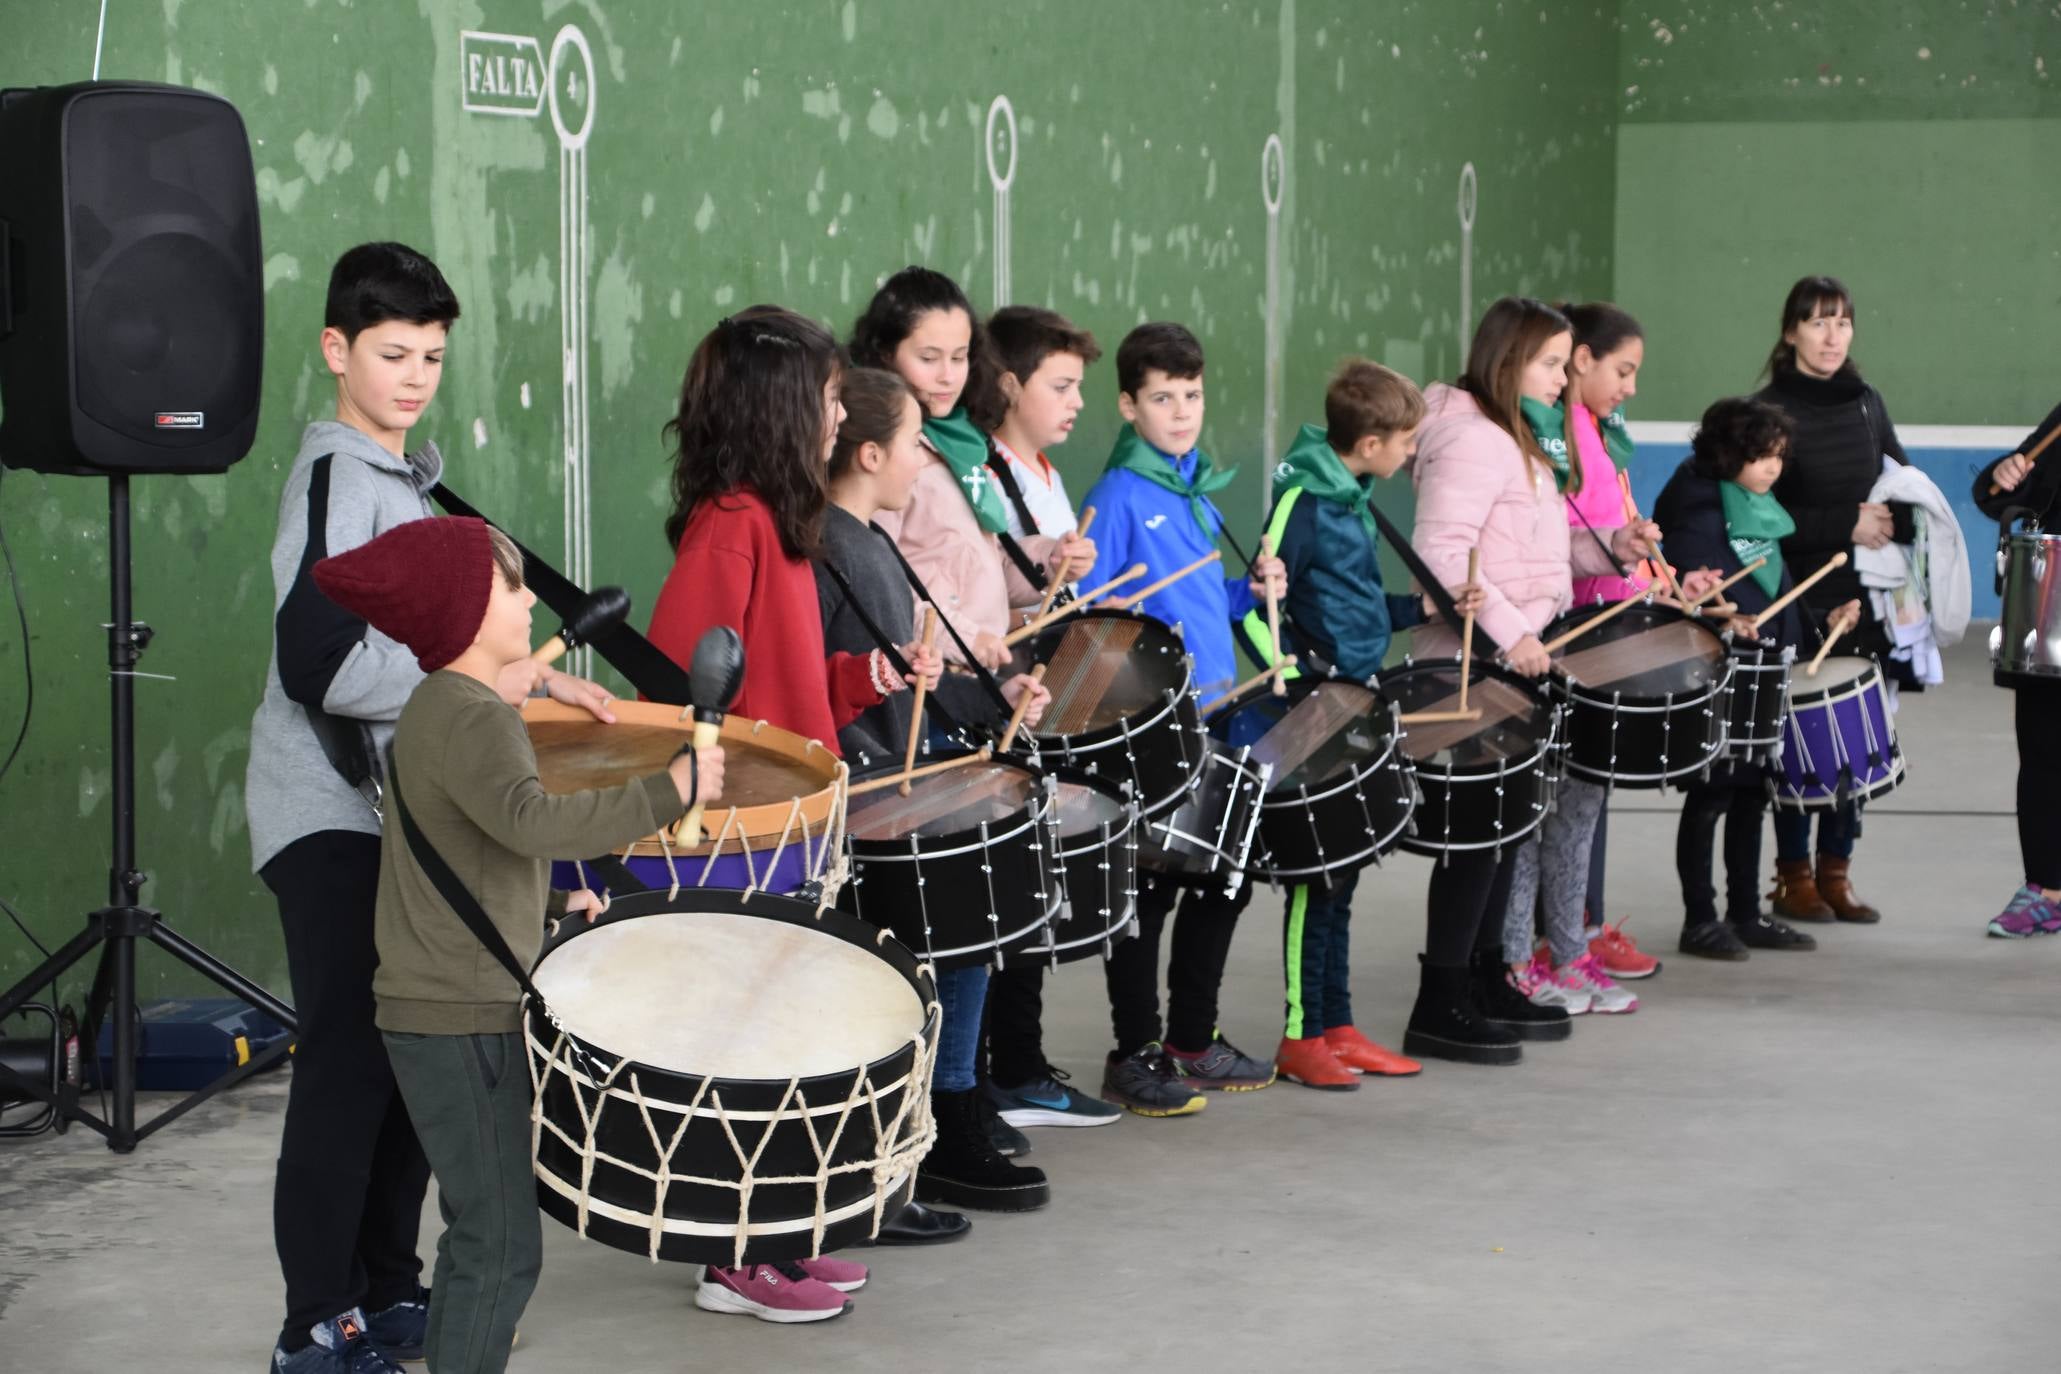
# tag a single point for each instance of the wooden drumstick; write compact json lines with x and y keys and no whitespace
{"x":1755,"y":566}
{"x":1774,"y":608}
{"x":901,"y":780}
{"x":1274,"y":621}
{"x":1125,"y":603}
{"x":1467,"y":627}
{"x":1610,"y":613}
{"x":2032,"y":457}
{"x":916,"y":714}
{"x":1079,"y":603}
{"x":1438,"y":717}
{"x":1215,"y":704}
{"x":1667,"y":573}
{"x":1023,"y":704}
{"x":1052,"y":587}
{"x":1844,"y":624}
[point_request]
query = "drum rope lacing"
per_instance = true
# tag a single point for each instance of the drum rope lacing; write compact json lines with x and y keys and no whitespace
{"x":910,"y":1127}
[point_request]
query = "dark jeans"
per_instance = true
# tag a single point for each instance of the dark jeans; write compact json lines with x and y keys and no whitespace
{"x":347,"y":1198}
{"x":1195,"y":969}
{"x":1598,"y":910}
{"x":470,"y":1095}
{"x":1837,"y":830}
{"x":1741,"y":808}
{"x":960,"y":993}
{"x":2038,"y":712}
{"x":1316,"y":955}
{"x":1016,"y":1015}
{"x":1465,"y":906}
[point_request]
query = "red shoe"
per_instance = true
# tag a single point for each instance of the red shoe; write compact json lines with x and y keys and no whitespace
{"x":1362,"y":1055}
{"x":1311,"y":1063}
{"x":1620,"y":957}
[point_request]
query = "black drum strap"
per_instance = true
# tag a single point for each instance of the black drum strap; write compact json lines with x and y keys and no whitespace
{"x":1427,"y":581}
{"x":987,"y":679}
{"x":1621,"y":570}
{"x":455,"y":894}
{"x":880,"y":638}
{"x":643,"y":664}
{"x":1013,"y":489}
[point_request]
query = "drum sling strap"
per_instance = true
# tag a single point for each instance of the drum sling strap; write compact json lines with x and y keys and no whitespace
{"x":646,"y":667}
{"x":886,"y":645}
{"x":1006,"y":480}
{"x":987,"y":679}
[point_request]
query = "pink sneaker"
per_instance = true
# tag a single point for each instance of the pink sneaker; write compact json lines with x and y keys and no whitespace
{"x":1621,"y":956}
{"x":770,"y":1292}
{"x":1606,"y":998}
{"x":846,"y":1276}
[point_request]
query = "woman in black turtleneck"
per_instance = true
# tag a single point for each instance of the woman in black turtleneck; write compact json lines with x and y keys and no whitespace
{"x":1841,"y":435}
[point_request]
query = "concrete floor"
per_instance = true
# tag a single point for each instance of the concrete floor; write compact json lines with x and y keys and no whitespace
{"x":1832,"y":1161}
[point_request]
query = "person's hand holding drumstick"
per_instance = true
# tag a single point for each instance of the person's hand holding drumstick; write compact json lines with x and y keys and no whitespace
{"x":1072,"y":557}
{"x":698,"y":774}
{"x":1637,"y":540}
{"x":1471,"y":596}
{"x":1015,"y":688}
{"x":926,"y":665}
{"x":1268,"y":571}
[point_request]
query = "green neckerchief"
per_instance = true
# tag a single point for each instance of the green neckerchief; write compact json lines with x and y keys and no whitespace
{"x":1756,"y":524}
{"x":965,"y":451}
{"x":1315,"y":466}
{"x":1133,"y":454}
{"x":1549,"y":427}
{"x":1617,"y":439}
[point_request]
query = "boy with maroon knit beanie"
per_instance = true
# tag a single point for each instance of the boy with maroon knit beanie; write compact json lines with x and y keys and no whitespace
{"x":464,"y":773}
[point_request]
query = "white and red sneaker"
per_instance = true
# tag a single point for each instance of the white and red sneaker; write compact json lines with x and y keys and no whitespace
{"x":771,"y":1292}
{"x":846,"y":1276}
{"x":1620,"y":956}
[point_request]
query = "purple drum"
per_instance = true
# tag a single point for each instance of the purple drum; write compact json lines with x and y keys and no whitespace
{"x":1839,"y":745}
{"x":785,"y":876}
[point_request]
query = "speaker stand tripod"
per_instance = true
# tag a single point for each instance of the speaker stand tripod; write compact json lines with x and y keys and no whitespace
{"x":115,"y":928}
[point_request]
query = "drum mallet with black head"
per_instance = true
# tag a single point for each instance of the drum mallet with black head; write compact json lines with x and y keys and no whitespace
{"x":713,"y":678}
{"x":604,"y":608}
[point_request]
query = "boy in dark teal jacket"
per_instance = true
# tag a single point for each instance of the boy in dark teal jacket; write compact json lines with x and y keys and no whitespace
{"x":1338,"y":618}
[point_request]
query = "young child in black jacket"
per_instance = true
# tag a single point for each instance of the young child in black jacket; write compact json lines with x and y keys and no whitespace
{"x":1719,"y":512}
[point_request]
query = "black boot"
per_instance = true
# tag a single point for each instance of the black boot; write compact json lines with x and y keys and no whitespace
{"x":962,"y":1168}
{"x":916,"y":1224}
{"x":1758,"y":930}
{"x":1507,"y":1009}
{"x":1445,"y":1024}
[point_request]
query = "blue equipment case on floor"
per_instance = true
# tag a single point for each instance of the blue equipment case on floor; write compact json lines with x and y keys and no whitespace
{"x":187,"y":1043}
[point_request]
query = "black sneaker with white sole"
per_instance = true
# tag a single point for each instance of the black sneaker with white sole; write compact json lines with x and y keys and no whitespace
{"x":1050,"y":1100}
{"x":1144,"y":1082}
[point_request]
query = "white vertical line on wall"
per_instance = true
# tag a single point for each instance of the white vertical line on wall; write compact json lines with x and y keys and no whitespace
{"x":1001,"y":136}
{"x":99,"y":38}
{"x":572,"y":81}
{"x":1466,"y":205}
{"x":1273,"y":184}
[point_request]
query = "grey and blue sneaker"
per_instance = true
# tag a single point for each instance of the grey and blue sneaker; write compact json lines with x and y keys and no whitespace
{"x":1144,"y":1082}
{"x":400,"y":1331}
{"x":1049,"y":1100}
{"x":338,"y":1346}
{"x":1223,"y":1067}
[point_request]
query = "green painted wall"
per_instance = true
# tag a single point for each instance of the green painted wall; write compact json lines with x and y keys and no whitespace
{"x":794,"y":151}
{"x":1908,"y":148}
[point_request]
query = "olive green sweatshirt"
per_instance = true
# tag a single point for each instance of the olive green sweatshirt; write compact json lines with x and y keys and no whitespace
{"x":463,"y":761}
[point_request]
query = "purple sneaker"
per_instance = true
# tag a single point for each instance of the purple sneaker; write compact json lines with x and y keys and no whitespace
{"x":2031,"y":912}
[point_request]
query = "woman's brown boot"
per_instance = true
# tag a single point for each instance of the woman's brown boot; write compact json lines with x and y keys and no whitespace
{"x":1837,"y":890}
{"x":1796,"y":892}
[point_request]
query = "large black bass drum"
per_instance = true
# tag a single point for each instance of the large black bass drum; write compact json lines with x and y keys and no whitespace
{"x":1488,"y":780}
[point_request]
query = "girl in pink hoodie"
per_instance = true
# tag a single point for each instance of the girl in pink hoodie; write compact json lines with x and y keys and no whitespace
{"x":1485,"y":481}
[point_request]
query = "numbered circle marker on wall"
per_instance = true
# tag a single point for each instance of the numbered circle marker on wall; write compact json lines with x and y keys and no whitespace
{"x":1466,"y":259}
{"x":572,"y":114}
{"x":1001,"y":148}
{"x":1273,"y":185}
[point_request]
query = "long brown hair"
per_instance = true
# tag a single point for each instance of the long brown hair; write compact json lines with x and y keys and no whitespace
{"x":891,"y":317}
{"x":1509,"y":336}
{"x":751,"y":415}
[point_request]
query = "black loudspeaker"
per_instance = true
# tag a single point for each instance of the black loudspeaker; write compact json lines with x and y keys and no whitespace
{"x":131,"y":280}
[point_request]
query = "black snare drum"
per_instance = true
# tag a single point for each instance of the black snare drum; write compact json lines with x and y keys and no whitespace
{"x":1205,"y":841}
{"x":961,"y":869}
{"x":1645,"y":696}
{"x":1123,"y":704}
{"x":1757,"y":701}
{"x":1486,"y":782}
{"x":1341,"y":794}
{"x":1094,"y":830}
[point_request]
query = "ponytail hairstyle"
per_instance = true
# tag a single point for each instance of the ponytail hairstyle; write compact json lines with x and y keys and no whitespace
{"x":891,"y":316}
{"x":876,"y":401}
{"x":1808,"y":299}
{"x":751,"y":415}
{"x":1600,"y":327}
{"x":1509,"y":336}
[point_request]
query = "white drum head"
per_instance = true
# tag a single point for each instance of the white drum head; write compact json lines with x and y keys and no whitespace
{"x":738,"y":997}
{"x":1832,"y":674}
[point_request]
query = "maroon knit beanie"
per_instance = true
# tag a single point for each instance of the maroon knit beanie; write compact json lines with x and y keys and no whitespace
{"x":424,"y":584}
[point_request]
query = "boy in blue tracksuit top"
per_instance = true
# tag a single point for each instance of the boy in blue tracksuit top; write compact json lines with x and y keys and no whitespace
{"x":1152,"y":507}
{"x":1337,"y":618}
